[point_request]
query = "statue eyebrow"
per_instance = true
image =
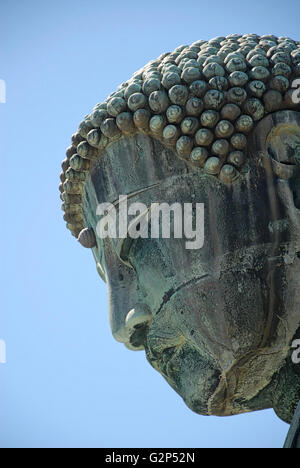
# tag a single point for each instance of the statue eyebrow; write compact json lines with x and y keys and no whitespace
{"x":132,"y":194}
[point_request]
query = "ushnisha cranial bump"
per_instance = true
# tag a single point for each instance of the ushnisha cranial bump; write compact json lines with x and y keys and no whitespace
{"x":203,"y":100}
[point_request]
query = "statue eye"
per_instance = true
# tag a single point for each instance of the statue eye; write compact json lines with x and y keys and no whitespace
{"x":123,"y":249}
{"x":137,"y":228}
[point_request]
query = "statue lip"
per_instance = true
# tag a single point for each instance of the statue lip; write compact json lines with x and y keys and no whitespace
{"x":166,"y":358}
{"x":160,"y":347}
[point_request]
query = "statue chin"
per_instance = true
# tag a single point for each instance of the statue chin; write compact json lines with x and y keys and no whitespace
{"x":220,"y":342}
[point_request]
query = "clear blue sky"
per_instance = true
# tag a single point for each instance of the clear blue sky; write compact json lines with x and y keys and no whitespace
{"x":67,"y":383}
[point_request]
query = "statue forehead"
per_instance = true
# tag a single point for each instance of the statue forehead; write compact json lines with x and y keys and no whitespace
{"x":202,"y":102}
{"x":145,"y":165}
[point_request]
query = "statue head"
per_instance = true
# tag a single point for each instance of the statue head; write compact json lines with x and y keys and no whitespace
{"x":213,"y":131}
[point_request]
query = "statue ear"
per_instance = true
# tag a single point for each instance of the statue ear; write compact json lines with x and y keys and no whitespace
{"x":286,"y":195}
{"x":277,"y":136}
{"x":275,"y":146}
{"x":289,"y":201}
{"x":295,"y":186}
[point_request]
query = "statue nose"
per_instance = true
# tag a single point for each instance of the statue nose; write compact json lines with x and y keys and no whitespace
{"x":136,"y":324}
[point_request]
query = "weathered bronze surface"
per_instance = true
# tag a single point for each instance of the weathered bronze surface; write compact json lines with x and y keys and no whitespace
{"x":216,"y":123}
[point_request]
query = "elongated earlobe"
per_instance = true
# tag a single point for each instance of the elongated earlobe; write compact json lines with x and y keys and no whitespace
{"x":87,"y":238}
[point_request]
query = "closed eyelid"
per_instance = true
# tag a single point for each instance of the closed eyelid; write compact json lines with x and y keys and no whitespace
{"x":126,"y":243}
{"x":137,"y":192}
{"x":123,"y":245}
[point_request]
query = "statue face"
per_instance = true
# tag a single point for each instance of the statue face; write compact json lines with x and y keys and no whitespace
{"x":217,"y":322}
{"x":215,"y":125}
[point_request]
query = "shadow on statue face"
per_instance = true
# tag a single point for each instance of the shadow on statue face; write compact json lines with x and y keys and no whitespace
{"x":217,"y":322}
